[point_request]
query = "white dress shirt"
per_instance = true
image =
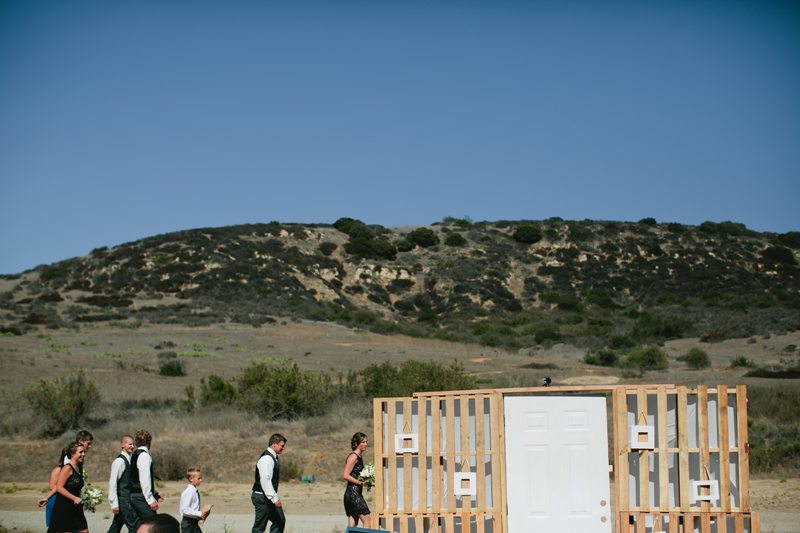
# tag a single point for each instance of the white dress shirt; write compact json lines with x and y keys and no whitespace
{"x":265,"y":466}
{"x":190,"y":503}
{"x":117,"y":468}
{"x":143,"y":465}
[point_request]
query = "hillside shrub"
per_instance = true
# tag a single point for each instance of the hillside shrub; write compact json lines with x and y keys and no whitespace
{"x":547,"y":333}
{"x":64,"y":400}
{"x":371,"y":248}
{"x":216,"y":391}
{"x":790,"y":239}
{"x":278,"y":388}
{"x":527,"y":234}
{"x":344,"y":224}
{"x":740,"y":361}
{"x":674,"y":227}
{"x":327,"y":248}
{"x":455,"y":240}
{"x":667,"y":298}
{"x":646,"y":358}
{"x":601,"y":298}
{"x":607,"y":358}
{"x":423,"y":237}
{"x":697,"y":358}
{"x":172,"y":367}
{"x":404,"y":245}
{"x":385,"y":381}
{"x":579,"y":234}
{"x":649,"y":221}
{"x":780,"y":255}
{"x":426,"y":314}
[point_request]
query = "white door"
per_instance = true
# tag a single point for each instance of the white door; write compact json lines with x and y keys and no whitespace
{"x":557,"y":464}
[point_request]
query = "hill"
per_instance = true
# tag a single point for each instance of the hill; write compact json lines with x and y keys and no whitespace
{"x":505,"y":284}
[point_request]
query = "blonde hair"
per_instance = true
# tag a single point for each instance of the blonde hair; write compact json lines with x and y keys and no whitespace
{"x":192,"y":472}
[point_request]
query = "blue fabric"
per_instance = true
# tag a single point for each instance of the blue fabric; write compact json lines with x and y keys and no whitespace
{"x":48,"y":510}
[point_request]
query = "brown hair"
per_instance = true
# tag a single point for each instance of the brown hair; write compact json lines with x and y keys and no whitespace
{"x":72,"y":448}
{"x":356,"y":440}
{"x":84,"y":436}
{"x":143,"y":438}
{"x":162,"y":523}
{"x":276,"y":438}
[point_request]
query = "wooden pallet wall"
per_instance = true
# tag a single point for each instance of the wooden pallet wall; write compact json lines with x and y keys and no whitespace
{"x":703,"y":459}
{"x":415,"y":492}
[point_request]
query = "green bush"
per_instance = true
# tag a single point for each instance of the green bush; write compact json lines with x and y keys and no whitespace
{"x":780,"y":255}
{"x":65,"y":400}
{"x":327,"y":248}
{"x":579,"y":234}
{"x":547,"y":333}
{"x":674,"y":227}
{"x":455,"y":240}
{"x":386,"y":381}
{"x":601,"y":298}
{"x":649,"y":221}
{"x":527,"y":234}
{"x":404,"y":245}
{"x":602,"y":358}
{"x":667,"y":298}
{"x":277,"y":388}
{"x":740,"y":361}
{"x":646,"y":358}
{"x":172,"y":368}
{"x":790,"y":239}
{"x":423,"y":237}
{"x":697,"y":358}
{"x":426,"y":314}
{"x":216,"y":391}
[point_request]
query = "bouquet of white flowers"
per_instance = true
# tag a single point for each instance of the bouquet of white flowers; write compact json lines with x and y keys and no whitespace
{"x":367,"y":475}
{"x":91,"y":497}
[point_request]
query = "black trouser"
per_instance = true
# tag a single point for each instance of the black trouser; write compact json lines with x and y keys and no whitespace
{"x":116,"y":523}
{"x":127,"y":513}
{"x":266,"y":510}
{"x":141,"y":509}
{"x":190,"y":525}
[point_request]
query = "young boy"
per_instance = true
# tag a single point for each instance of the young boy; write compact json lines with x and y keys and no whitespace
{"x":190,"y":503}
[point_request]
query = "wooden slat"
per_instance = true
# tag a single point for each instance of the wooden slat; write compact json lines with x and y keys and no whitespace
{"x":422,"y":431}
{"x":498,"y":458}
{"x":663,"y":446}
{"x":391,"y":475}
{"x":641,"y":524}
{"x":436,"y":455}
{"x":378,"y":453}
{"x":622,"y":490}
{"x":724,"y":451}
{"x":705,"y":522}
{"x":403,"y":523}
{"x":464,"y":459}
{"x":480,"y":452}
{"x":673,"y":522}
{"x":755,"y":523}
{"x":616,"y":430}
{"x":683,"y":445}
{"x":702,"y":436}
{"x":448,"y":523}
{"x":644,"y":455}
{"x":451,"y":453}
{"x":722,"y":520}
{"x":739,"y":523}
{"x":408,"y":498}
{"x":743,"y":443}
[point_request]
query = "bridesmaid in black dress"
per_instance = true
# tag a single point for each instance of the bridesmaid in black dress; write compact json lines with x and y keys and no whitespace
{"x":354,"y":504}
{"x":68,"y":509}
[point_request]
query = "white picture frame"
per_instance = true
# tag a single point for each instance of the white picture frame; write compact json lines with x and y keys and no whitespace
{"x":713,"y":495}
{"x":458,"y":484}
{"x":633,"y":437}
{"x":406,"y":443}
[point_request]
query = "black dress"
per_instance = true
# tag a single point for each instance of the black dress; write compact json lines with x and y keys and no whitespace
{"x":67,"y":516}
{"x":354,"y":504}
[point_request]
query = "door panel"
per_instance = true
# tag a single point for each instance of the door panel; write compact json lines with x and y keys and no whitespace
{"x":557,"y":464}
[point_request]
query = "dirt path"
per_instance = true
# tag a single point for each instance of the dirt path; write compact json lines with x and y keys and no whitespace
{"x":317,"y":508}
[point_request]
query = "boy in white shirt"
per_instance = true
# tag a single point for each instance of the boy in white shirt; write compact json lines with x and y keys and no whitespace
{"x":190,"y":503}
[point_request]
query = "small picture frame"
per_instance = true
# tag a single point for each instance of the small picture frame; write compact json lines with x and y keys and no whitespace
{"x":713,"y":492}
{"x":634,"y":437}
{"x":460,"y":479}
{"x":406,"y":443}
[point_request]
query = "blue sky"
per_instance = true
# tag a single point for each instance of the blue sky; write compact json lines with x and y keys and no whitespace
{"x":122,"y":120}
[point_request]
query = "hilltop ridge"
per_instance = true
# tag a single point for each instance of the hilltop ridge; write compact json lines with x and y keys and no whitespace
{"x":514,"y":284}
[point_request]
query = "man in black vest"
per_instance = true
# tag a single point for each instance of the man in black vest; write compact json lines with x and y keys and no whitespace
{"x":119,"y":490}
{"x":144,"y":498}
{"x":265,"y":489}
